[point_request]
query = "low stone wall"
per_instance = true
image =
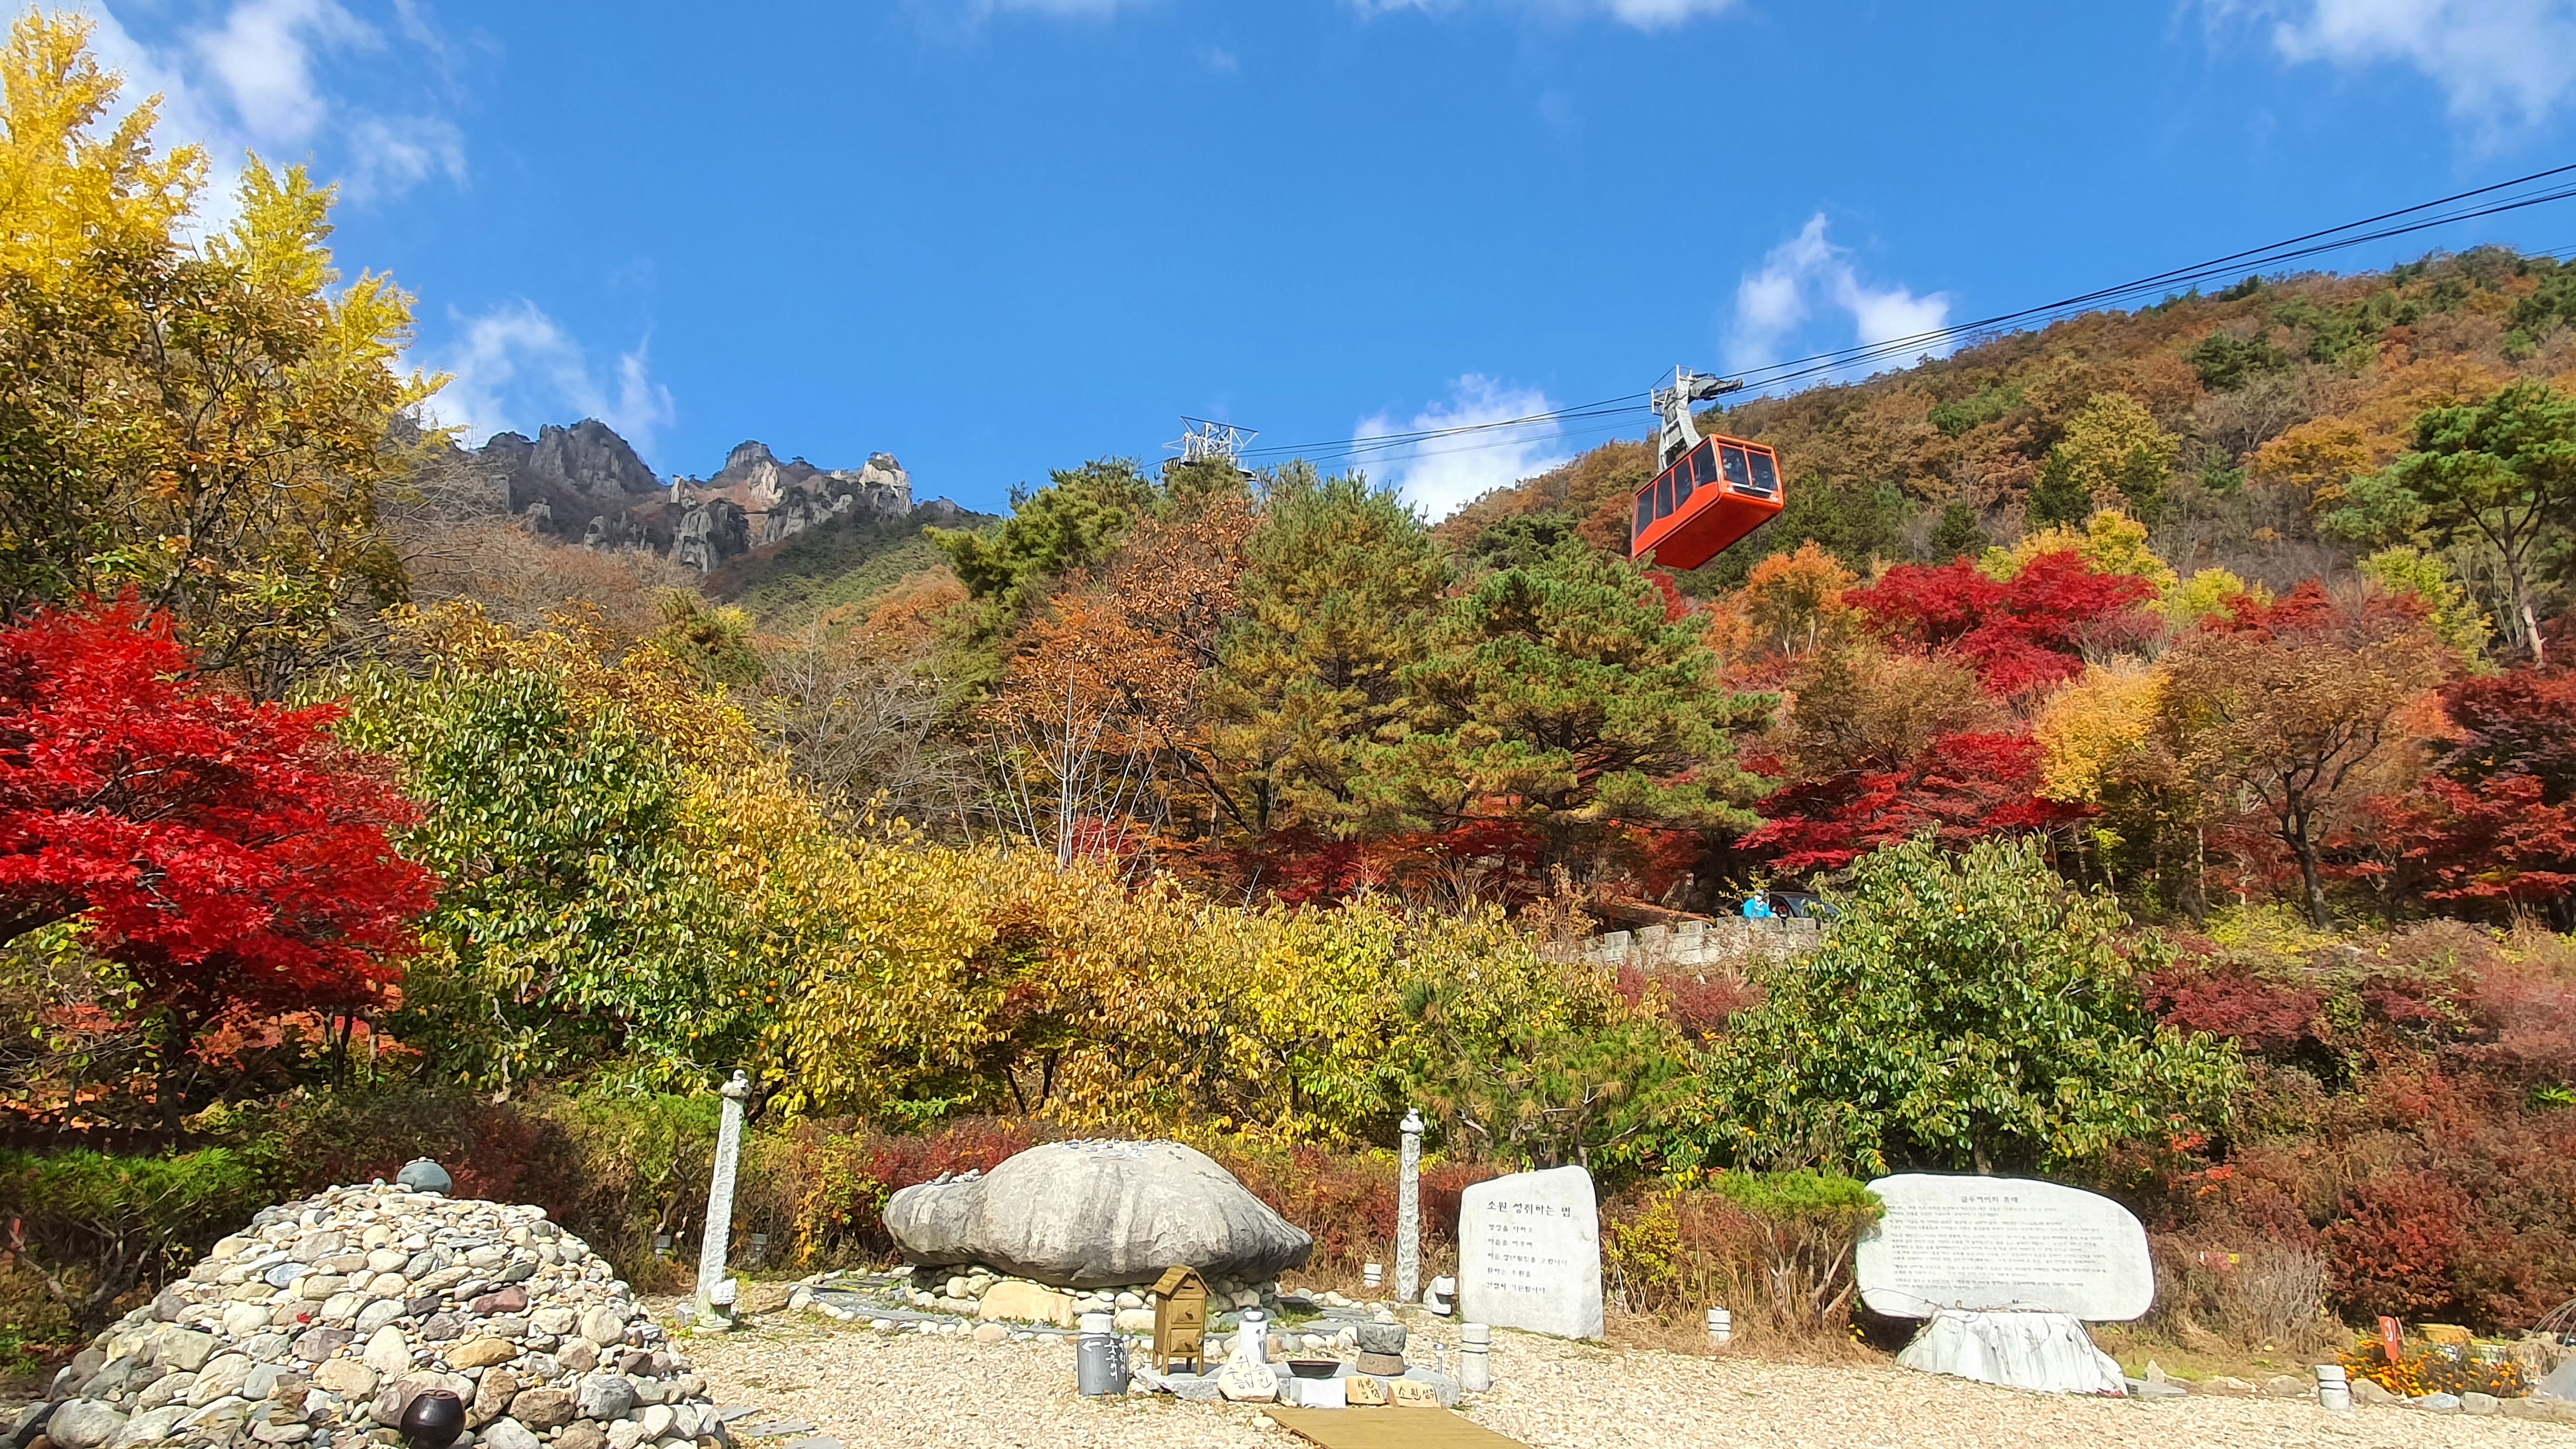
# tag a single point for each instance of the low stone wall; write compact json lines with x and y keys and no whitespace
{"x":1724,"y":942}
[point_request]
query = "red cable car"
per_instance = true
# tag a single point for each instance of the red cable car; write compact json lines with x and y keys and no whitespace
{"x":1712,"y":492}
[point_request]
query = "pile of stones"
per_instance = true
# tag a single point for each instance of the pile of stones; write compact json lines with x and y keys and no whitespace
{"x":321,"y":1322}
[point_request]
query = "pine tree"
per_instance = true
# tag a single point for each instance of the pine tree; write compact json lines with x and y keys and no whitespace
{"x":1337,"y":598}
{"x":1570,"y":697}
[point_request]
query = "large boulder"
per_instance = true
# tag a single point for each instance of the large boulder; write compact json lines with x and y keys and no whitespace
{"x":1089,"y":1214}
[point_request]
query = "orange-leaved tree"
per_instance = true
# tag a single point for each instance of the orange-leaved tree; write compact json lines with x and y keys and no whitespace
{"x":2282,"y":711}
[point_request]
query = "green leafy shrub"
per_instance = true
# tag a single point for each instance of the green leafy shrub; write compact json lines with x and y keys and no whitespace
{"x":1968,"y":1010}
{"x":574,"y":924}
{"x":93,"y":1226}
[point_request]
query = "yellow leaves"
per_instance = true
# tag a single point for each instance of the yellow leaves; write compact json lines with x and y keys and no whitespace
{"x":2317,"y":458}
{"x":1796,"y":599}
{"x":2450,"y":609}
{"x":2112,"y":444}
{"x":930,"y":971}
{"x":2094,"y":725}
{"x":704,"y":728}
{"x":2111,"y":543}
{"x":66,"y":186}
{"x":2321,"y":457}
{"x":2205,"y":595}
{"x":277,"y":239}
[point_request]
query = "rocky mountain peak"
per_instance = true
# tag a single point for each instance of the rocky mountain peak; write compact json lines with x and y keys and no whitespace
{"x":746,"y":458}
{"x":584,"y":482}
{"x":588,"y":459}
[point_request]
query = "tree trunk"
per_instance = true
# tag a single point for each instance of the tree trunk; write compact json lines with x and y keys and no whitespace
{"x":2513,"y":573}
{"x":2195,"y":882}
{"x":2313,"y":876}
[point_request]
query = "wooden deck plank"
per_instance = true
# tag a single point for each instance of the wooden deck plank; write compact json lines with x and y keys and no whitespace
{"x":1389,"y":1428}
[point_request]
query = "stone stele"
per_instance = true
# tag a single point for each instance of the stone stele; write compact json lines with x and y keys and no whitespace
{"x":2002,"y":1243}
{"x":1529,"y":1253}
{"x":1090,"y":1214}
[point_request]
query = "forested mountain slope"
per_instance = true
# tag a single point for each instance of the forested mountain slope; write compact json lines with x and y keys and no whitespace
{"x":2226,"y":423}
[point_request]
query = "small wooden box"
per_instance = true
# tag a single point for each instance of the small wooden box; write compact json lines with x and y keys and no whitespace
{"x":1180,"y":1319}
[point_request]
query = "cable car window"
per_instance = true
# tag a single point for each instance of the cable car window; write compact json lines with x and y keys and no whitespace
{"x":1681,"y":483}
{"x":1737,"y":472}
{"x":1704,"y":466}
{"x":1645,"y":511}
{"x":1664,"y":496}
{"x":1766,"y":474}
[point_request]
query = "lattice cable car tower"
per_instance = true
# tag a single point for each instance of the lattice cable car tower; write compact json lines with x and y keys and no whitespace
{"x":1709,"y":491}
{"x":1203,"y":440}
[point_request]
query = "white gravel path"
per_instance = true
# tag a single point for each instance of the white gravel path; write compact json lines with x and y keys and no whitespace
{"x":874,"y":1392}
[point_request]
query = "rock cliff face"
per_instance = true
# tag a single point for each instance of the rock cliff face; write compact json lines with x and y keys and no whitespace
{"x":780,"y":500}
{"x":587,"y":459}
{"x":585,"y":484}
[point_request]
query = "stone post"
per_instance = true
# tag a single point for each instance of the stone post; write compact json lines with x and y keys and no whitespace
{"x":719,"y":1224}
{"x":1408,"y":1211}
{"x":1475,"y":1357}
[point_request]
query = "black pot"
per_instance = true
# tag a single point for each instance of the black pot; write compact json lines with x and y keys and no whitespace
{"x":434,"y":1420}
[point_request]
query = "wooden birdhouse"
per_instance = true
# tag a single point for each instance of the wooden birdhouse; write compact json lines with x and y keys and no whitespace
{"x":1180,"y":1319}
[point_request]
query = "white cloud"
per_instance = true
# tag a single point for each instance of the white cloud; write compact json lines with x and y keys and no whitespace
{"x":255,"y":81}
{"x":388,"y":155}
{"x":1643,"y":14}
{"x":1437,"y":475}
{"x":515,"y":368}
{"x":262,"y":56}
{"x":1806,"y":271}
{"x":2497,"y":61}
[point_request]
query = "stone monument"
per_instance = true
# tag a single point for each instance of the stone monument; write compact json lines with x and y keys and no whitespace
{"x":711,"y":1251}
{"x":2002,"y":1243}
{"x":1408,"y":1210}
{"x":2007,"y":1271}
{"x":1529,"y":1253}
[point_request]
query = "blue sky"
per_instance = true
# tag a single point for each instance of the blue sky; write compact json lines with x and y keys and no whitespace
{"x":997,"y":236}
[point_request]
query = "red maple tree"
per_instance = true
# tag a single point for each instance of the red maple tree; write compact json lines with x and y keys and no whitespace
{"x":2494,"y":825}
{"x":227,"y":853}
{"x":1965,"y":787}
{"x":2027,"y":632}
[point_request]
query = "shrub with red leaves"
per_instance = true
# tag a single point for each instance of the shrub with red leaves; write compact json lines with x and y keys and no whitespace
{"x":2026,"y":633}
{"x":1697,"y":1002}
{"x":2258,"y":1014}
{"x":2494,"y":829}
{"x":2392,"y":1252}
{"x":1963,"y":789}
{"x":225,"y":852}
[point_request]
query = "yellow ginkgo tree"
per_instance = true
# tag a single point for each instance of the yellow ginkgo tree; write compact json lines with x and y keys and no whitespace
{"x":206,"y":420}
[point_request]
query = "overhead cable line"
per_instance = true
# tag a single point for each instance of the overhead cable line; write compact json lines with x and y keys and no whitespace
{"x":2292,"y":249}
{"x":2249,"y":262}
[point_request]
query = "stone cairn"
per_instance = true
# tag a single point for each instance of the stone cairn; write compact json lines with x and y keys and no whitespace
{"x":320,"y":1323}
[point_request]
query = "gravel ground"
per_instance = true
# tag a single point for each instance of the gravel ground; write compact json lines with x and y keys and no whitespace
{"x":876,"y":1392}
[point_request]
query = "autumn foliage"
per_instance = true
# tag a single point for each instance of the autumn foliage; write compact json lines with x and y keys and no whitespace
{"x":223,"y":851}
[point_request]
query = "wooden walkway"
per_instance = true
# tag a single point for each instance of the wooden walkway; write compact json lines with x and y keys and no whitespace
{"x":1388,"y":1429}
